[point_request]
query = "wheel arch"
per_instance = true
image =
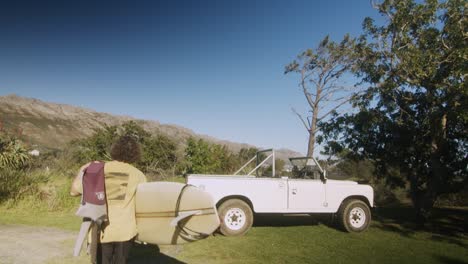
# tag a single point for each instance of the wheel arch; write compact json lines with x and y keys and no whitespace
{"x":240,"y":197}
{"x":355,"y":197}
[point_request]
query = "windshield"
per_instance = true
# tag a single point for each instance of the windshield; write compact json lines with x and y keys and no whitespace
{"x":305,"y":168}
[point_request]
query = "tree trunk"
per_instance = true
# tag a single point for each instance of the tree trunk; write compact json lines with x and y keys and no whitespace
{"x":424,"y":200}
{"x":423,"y":203}
{"x":311,"y":147}
{"x":312,"y":132}
{"x":313,"y":125}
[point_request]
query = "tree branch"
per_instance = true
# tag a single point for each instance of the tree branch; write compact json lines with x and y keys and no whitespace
{"x":330,"y":92}
{"x":304,"y":89}
{"x":333,"y":109}
{"x":302,"y":119}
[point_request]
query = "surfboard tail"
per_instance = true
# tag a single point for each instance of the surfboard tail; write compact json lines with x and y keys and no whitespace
{"x":170,"y":213}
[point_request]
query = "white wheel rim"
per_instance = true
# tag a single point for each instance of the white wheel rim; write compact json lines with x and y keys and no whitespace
{"x":357,"y":217}
{"x":235,"y":218}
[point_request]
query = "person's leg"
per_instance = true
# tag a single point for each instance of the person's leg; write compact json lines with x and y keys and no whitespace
{"x":122,"y":250}
{"x":106,"y":253}
{"x":94,"y":247}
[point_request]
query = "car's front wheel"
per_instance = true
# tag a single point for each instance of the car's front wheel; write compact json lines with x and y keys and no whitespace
{"x":354,"y":216}
{"x":236,"y":217}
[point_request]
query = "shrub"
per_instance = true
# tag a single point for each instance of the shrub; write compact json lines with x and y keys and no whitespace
{"x":95,"y":147}
{"x":56,"y":196}
{"x":159,"y":156}
{"x":204,"y":157}
{"x":383,"y":195}
{"x":12,"y":153}
{"x":15,"y":184}
{"x":159,"y":152}
{"x":454,"y":199}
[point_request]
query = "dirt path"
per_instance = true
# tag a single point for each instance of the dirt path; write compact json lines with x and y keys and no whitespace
{"x":27,"y":244}
{"x":39,"y":245}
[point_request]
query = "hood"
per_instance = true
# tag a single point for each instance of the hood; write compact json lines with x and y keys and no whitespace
{"x":339,"y":182}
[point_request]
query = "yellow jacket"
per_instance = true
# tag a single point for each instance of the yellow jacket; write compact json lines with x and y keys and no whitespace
{"x":121,"y":182}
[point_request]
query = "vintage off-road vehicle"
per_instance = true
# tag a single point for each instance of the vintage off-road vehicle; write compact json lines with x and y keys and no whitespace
{"x":306,"y":191}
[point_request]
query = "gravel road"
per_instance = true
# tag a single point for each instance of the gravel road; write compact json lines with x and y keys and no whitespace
{"x":20,"y":244}
{"x":27,"y":244}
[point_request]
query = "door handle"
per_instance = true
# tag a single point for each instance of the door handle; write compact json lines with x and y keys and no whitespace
{"x":294,"y":191}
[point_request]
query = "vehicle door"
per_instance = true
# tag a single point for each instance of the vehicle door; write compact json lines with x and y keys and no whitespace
{"x":306,"y":195}
{"x":269,"y":195}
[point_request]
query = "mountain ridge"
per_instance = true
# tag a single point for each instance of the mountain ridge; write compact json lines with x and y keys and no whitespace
{"x":53,"y":125}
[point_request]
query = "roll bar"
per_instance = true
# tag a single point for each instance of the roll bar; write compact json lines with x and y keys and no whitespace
{"x":259,"y":162}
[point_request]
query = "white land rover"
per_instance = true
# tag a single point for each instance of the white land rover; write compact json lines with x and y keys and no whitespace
{"x":308,"y":191}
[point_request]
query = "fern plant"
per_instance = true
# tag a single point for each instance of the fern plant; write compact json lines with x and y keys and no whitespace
{"x":12,"y":153}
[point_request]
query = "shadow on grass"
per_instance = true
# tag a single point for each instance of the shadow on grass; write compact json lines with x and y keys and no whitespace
{"x":449,"y":260}
{"x":290,"y":220}
{"x":149,"y":254}
{"x":446,"y":224}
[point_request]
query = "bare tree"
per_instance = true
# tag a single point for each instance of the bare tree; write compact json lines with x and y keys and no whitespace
{"x":320,"y":72}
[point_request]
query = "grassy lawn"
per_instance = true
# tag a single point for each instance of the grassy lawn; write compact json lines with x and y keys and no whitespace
{"x":392,"y":238}
{"x":301,"y":240}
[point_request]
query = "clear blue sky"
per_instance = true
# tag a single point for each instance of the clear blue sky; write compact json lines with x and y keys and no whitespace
{"x":215,"y":67}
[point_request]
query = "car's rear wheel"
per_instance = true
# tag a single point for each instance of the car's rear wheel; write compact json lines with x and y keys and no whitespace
{"x":236,"y":217}
{"x":354,"y":216}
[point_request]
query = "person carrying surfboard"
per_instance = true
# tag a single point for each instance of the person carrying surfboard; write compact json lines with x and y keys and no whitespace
{"x":121,"y":180}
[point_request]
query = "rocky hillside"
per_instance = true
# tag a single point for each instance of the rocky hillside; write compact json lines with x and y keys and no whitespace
{"x":53,"y":125}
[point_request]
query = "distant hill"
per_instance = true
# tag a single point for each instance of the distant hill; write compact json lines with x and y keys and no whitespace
{"x":53,"y":125}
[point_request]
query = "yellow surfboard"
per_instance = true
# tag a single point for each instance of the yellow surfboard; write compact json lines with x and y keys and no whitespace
{"x":169,"y":213}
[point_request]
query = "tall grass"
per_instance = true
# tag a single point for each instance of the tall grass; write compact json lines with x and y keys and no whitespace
{"x":15,"y":184}
{"x":37,"y":189}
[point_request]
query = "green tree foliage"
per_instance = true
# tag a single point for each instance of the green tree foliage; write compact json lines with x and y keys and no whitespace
{"x":414,"y":114}
{"x":346,"y":166}
{"x":242,"y":157}
{"x":158,"y":151}
{"x":13,"y":154}
{"x":279,"y":167}
{"x":224,"y":159}
{"x":97,"y":146}
{"x":159,"y":154}
{"x":15,"y":183}
{"x":16,"y":178}
{"x":133,"y":129}
{"x":245,"y":154}
{"x":198,"y":155}
{"x":204,"y":157}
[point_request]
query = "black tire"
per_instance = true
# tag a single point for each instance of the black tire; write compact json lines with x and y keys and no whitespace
{"x":236,"y":217}
{"x":354,"y":216}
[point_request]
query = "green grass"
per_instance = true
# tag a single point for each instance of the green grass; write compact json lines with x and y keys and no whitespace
{"x":392,"y":238}
{"x":49,"y":205}
{"x":24,"y":216}
{"x":322,"y":244}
